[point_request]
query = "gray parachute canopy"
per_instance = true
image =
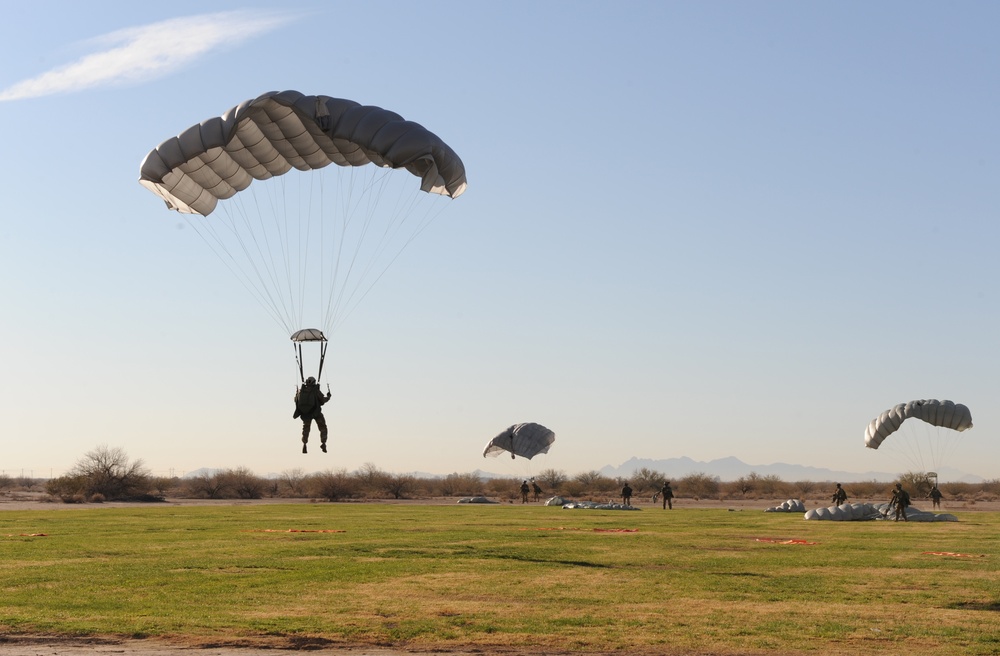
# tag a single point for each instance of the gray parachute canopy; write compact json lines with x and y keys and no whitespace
{"x":945,"y":414}
{"x":525,"y":440}
{"x":272,"y":134}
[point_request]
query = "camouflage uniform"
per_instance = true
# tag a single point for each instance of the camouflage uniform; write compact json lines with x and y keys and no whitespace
{"x":309,"y":402}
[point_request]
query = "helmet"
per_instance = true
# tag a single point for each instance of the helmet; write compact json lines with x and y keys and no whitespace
{"x":310,"y":381}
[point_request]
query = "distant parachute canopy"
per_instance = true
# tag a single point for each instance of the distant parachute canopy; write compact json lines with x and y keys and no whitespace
{"x":945,"y":414}
{"x":525,"y":440}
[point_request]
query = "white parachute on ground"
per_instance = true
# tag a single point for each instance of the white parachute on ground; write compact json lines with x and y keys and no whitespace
{"x":852,"y":512}
{"x":596,"y":505}
{"x":792,"y":505}
{"x":525,"y":440}
{"x":479,"y":499}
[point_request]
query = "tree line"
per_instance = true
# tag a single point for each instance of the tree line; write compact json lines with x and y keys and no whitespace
{"x":109,"y":474}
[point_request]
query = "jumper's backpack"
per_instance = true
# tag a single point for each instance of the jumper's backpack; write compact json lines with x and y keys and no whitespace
{"x":306,"y":400}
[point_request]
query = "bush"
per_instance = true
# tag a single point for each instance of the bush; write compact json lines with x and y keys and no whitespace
{"x":242,"y":482}
{"x":551,"y":480}
{"x":697,"y":486}
{"x":104,"y":473}
{"x":332,"y":485}
{"x":460,"y":485}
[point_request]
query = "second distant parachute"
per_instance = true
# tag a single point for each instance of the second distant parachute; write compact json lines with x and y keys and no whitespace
{"x":945,"y":414}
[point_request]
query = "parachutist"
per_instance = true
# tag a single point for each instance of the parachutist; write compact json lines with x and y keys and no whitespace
{"x":309,"y":400}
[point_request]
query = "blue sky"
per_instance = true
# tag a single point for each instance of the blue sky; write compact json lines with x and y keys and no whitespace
{"x":691,"y":229}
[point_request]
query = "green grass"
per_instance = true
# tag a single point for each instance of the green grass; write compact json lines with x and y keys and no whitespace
{"x":468,"y":576}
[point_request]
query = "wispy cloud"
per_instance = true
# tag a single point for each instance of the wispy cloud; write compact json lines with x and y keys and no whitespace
{"x":140,"y":54}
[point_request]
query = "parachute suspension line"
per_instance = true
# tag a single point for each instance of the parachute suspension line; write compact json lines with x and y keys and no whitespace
{"x":921,"y":446}
{"x":275,"y":191}
{"x":208,"y":233}
{"x":339,"y":303}
{"x":279,"y":217}
{"x":375,"y":253}
{"x":309,"y":221}
{"x":297,"y":347}
{"x":264,"y":271}
{"x":322,"y":359}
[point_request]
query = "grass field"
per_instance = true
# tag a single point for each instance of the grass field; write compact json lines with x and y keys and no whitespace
{"x":465,"y":577}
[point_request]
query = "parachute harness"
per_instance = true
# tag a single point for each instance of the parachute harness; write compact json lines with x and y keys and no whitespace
{"x":309,"y":335}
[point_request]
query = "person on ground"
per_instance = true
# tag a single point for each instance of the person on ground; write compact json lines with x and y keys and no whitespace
{"x":537,"y":490}
{"x":900,"y":500}
{"x":626,"y":495}
{"x":935,"y":496}
{"x":524,"y":491}
{"x":839,"y":496}
{"x":667,"y":495}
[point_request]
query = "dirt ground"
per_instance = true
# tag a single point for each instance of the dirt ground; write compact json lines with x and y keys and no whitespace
{"x":58,"y":646}
{"x":42,"y":501}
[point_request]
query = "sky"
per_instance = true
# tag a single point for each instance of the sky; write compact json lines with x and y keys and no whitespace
{"x":690,"y":229}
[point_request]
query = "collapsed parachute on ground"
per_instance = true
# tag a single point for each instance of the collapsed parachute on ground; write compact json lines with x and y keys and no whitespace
{"x":569,"y":504}
{"x":594,"y":505}
{"x":945,"y":414}
{"x":308,"y":247}
{"x":792,"y":505}
{"x":479,"y":499}
{"x":853,"y":512}
{"x":525,"y":440}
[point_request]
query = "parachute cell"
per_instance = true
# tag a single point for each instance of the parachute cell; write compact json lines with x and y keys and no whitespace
{"x":525,"y":440}
{"x":944,"y":414}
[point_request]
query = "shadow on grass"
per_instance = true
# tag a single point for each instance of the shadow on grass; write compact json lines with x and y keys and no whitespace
{"x":975,"y":605}
{"x":527,"y":559}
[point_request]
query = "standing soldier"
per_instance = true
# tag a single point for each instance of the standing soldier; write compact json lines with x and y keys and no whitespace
{"x":626,"y":495}
{"x":536,"y":489}
{"x":839,"y":496}
{"x":668,"y":495}
{"x":935,"y":496}
{"x":900,"y":500}
{"x":524,"y":491}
